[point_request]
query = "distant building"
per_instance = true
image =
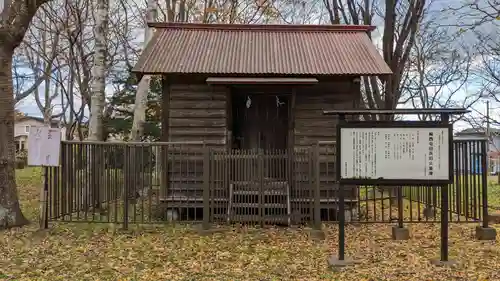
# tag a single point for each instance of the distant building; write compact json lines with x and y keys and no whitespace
{"x":493,"y":146}
{"x":22,"y":128}
{"x":474,"y":133}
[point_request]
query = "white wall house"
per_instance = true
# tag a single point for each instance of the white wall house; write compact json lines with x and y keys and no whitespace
{"x":22,"y":129}
{"x":493,"y":145}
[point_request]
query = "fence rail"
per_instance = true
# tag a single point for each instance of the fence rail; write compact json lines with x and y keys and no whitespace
{"x":200,"y":182}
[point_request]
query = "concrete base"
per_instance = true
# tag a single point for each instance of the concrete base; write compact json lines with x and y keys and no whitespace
{"x":487,"y":233}
{"x":494,"y":217}
{"x":447,"y":263}
{"x":400,"y":233}
{"x":317,"y":234}
{"x":429,"y":212}
{"x":334,"y":262}
{"x":123,"y":231}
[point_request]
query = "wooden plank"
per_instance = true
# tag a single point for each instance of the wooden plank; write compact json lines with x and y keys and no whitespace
{"x":197,"y":113}
{"x":186,"y":179}
{"x":190,"y":88}
{"x":198,"y":132}
{"x":182,"y":104}
{"x":326,"y":168}
{"x":329,"y":149}
{"x":314,"y":132}
{"x":180,"y":152}
{"x":311,"y":114}
{"x":324,"y":105}
{"x":326,"y":122}
{"x":197,"y":122}
{"x":327,"y":87}
{"x":332,"y":98}
{"x":191,"y":168}
{"x":208,"y":138}
{"x":322,"y":158}
{"x":197,"y":96}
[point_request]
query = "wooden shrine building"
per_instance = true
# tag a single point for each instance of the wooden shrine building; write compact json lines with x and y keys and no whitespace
{"x":255,"y":95}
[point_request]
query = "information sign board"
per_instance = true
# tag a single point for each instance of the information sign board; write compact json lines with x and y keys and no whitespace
{"x":395,"y":153}
{"x":44,"y":146}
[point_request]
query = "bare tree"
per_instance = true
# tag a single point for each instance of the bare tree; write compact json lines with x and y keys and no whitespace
{"x":473,"y":14}
{"x":141,"y":97}
{"x":400,"y":19}
{"x":14,"y":22}
{"x":437,"y":71}
{"x":479,"y":22}
{"x":99,"y":71}
{"x":41,"y":47}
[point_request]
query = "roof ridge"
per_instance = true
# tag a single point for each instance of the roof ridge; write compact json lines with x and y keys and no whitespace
{"x":264,"y":27}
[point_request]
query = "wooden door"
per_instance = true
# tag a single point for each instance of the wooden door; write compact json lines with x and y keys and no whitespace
{"x":263,"y":122}
{"x":264,"y":127}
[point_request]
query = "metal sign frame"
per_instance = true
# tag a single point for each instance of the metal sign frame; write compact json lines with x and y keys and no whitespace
{"x":394,"y":125}
{"x":444,"y":184}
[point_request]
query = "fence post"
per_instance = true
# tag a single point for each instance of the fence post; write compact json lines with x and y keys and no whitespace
{"x":44,"y":205}
{"x":126,"y":188}
{"x":484,"y":182}
{"x":445,"y":210}
{"x":317,"y":207}
{"x":206,"y":187}
{"x":399,"y":232}
{"x":260,"y":172}
{"x":444,"y":223}
{"x":65,"y":198}
{"x":484,"y":232}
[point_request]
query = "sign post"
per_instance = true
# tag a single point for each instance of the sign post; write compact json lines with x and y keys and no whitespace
{"x":394,"y":153}
{"x":44,"y":147}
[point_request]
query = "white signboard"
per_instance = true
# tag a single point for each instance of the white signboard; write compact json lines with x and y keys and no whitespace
{"x":395,"y":153}
{"x":44,"y":146}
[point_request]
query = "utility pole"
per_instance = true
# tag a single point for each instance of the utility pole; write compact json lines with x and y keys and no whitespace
{"x":495,"y":166}
{"x":488,"y":126}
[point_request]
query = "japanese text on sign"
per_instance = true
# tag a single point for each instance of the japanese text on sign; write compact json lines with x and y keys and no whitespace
{"x":44,"y":145}
{"x":395,"y":153}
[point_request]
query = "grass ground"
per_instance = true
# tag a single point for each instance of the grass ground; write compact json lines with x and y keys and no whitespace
{"x":100,"y":252}
{"x":493,"y":192}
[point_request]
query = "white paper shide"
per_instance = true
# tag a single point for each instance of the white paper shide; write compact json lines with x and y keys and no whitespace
{"x":395,"y":153}
{"x":44,"y":146}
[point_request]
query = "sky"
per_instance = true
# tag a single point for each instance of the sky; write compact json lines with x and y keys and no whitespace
{"x":29,"y":107}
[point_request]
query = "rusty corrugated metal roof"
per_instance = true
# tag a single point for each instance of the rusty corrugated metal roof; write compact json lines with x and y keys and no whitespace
{"x":261,"y":50}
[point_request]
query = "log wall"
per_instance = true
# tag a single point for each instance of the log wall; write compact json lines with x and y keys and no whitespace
{"x":312,"y":126}
{"x":196,"y":112}
{"x":199,"y":112}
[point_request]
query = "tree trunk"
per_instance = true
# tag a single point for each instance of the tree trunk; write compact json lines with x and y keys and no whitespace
{"x":134,"y":164}
{"x":97,"y":104}
{"x":99,"y":72}
{"x":141,"y":96}
{"x":10,"y":211}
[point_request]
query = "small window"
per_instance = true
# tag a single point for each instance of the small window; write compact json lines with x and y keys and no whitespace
{"x":27,"y":129}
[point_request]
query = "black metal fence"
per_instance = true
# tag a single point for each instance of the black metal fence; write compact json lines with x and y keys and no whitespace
{"x":470,"y":187}
{"x":197,"y":182}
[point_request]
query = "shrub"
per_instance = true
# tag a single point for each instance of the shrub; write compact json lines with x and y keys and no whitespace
{"x":21,"y":159}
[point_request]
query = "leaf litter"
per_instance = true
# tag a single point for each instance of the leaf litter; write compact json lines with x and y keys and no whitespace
{"x":177,"y":252}
{"x":76,"y":252}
